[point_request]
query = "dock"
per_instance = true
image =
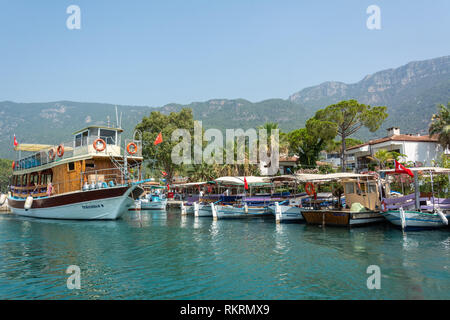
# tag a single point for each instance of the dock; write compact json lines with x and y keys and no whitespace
{"x":174,"y":203}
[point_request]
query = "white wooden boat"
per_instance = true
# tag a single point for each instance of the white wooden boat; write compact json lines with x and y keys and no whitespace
{"x":417,"y":211}
{"x":412,"y":220}
{"x":153,"y":202}
{"x":288,"y":212}
{"x":238,"y":212}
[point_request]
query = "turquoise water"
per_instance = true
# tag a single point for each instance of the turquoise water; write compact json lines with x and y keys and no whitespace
{"x":165,"y":256}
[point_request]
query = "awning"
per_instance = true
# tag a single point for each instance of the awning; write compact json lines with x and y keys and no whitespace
{"x":251,"y":180}
{"x":423,"y":169}
{"x":32,"y":147}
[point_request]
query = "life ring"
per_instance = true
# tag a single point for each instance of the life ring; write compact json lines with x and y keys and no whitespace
{"x":96,"y":145}
{"x":135,"y":148}
{"x":309,"y":188}
{"x":383,"y":206}
{"x":13,"y":165}
{"x":60,"y":151}
{"x":52,"y":154}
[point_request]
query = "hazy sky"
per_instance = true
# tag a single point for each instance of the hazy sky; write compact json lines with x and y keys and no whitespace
{"x":157,"y":52}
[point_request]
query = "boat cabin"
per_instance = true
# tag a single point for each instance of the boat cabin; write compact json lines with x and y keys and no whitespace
{"x":94,"y":158}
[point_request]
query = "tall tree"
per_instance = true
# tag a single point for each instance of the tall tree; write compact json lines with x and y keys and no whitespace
{"x":440,"y":125}
{"x":307,"y":142}
{"x":5,"y":174}
{"x":350,"y":116}
{"x":154,"y":124}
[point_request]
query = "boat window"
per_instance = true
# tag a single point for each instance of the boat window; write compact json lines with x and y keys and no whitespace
{"x":85,"y":138}
{"x":71,"y":166}
{"x":349,"y":188}
{"x":78,"y":140}
{"x":372,"y":188}
{"x":108,"y":135}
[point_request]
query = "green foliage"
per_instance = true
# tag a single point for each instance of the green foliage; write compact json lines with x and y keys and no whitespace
{"x":5,"y":174}
{"x":307,"y":142}
{"x":154,"y":124}
{"x":440,"y":125}
{"x":336,"y":145}
{"x":349,"y":117}
{"x":384,"y":158}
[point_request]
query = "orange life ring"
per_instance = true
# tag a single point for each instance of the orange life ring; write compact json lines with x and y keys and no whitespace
{"x":102,"y":142}
{"x":60,"y":151}
{"x":52,"y":154}
{"x":309,"y":188}
{"x":13,"y":165}
{"x":132,"y":144}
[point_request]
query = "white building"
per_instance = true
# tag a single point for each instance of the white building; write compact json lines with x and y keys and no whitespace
{"x":421,"y":150}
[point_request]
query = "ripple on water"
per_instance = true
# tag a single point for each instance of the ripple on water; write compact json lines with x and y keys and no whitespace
{"x":154,"y":255}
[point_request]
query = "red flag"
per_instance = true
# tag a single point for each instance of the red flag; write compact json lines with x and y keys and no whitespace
{"x":15,"y":141}
{"x":159,"y":139}
{"x":399,"y":168}
{"x":164,"y":173}
{"x":245,"y":184}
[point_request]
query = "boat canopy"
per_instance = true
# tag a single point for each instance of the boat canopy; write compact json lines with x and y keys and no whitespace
{"x":189,"y":184}
{"x":32,"y":147}
{"x":251,"y":180}
{"x":314,"y":177}
{"x":422,"y":169}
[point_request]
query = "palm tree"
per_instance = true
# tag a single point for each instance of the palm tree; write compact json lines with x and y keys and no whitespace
{"x":383,"y":156}
{"x":440,"y":125}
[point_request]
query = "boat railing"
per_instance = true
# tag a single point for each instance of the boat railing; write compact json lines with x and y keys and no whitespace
{"x":89,"y":180}
{"x":71,"y":149}
{"x":427,"y":203}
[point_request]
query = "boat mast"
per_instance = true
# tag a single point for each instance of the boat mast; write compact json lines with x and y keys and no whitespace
{"x":417,"y":190}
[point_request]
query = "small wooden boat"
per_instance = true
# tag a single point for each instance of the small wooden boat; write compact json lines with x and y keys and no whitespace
{"x":287,"y":211}
{"x":154,"y":200}
{"x":362,"y":200}
{"x":238,"y":212}
{"x":418,"y":210}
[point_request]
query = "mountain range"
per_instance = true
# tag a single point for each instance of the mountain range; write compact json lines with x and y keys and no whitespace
{"x":411,"y":93}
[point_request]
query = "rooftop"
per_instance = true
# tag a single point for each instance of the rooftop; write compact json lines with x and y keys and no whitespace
{"x":398,"y":137}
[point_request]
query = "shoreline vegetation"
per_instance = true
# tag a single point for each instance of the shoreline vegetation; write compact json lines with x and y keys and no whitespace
{"x":340,"y":120}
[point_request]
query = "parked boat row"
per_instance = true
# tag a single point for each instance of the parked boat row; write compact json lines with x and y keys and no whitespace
{"x":93,"y":177}
{"x":353,"y":200}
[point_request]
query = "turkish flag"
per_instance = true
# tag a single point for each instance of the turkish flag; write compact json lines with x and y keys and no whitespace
{"x":15,"y":141}
{"x":399,"y":168}
{"x":164,"y":173}
{"x":159,"y":139}
{"x":245,"y":184}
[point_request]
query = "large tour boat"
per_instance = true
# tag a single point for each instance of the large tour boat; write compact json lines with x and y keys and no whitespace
{"x":91,"y":177}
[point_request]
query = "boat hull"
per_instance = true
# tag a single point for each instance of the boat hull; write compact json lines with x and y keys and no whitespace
{"x":288,"y":213}
{"x":101,"y":204}
{"x":153,"y":205}
{"x":204,"y":210}
{"x":228,"y":212}
{"x":341,"y":218}
{"x":415,"y":219}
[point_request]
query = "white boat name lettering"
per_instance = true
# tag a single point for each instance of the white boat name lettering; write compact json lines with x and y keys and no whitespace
{"x":92,"y":206}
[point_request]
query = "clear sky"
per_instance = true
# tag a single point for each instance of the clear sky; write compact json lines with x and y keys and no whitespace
{"x":156,"y":52}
